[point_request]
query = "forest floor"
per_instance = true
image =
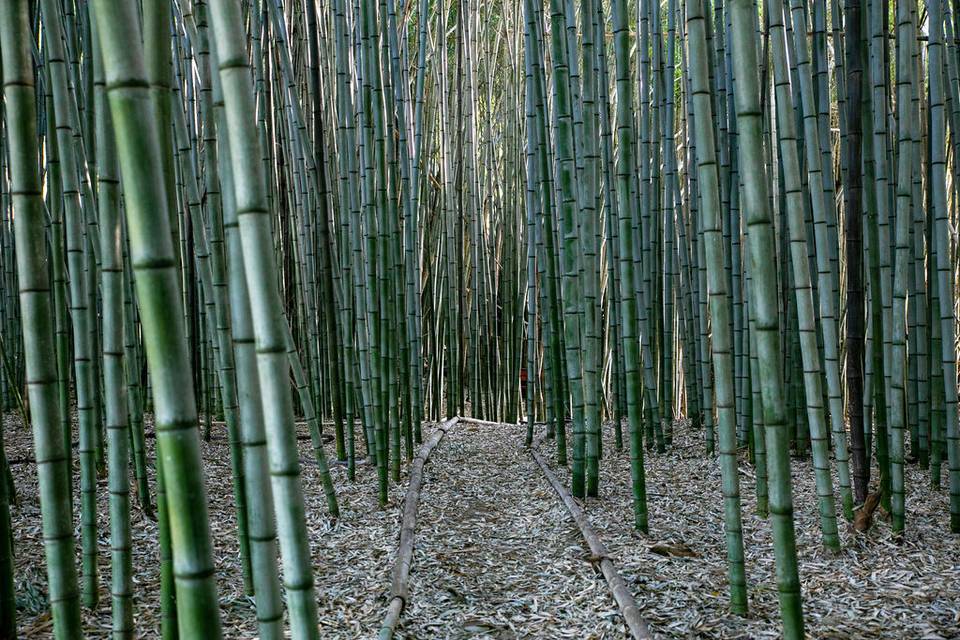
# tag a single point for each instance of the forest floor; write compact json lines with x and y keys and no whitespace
{"x":352,"y":555}
{"x":872,"y":588}
{"x":498,"y":556}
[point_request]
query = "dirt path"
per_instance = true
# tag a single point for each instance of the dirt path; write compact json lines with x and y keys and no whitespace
{"x":497,"y":555}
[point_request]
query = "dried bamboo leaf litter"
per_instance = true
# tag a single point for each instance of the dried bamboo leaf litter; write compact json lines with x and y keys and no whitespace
{"x":352,"y":555}
{"x":874,"y":588}
{"x":496,"y":555}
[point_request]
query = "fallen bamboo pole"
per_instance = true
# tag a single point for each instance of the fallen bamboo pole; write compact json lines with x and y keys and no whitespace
{"x":400,"y":588}
{"x":621,"y":593}
{"x":484,"y":422}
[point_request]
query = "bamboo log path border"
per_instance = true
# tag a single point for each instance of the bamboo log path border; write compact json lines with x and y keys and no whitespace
{"x":400,"y":587}
{"x":598,"y":551}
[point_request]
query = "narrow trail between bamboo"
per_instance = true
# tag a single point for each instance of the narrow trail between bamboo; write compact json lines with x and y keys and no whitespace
{"x":497,"y":555}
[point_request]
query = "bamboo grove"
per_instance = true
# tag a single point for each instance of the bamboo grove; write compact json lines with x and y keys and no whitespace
{"x":590,"y":218}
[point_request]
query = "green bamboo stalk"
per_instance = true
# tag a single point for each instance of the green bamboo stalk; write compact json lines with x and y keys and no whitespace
{"x":219,"y":279}
{"x":568,"y":211}
{"x":760,"y":245}
{"x":823,"y":212}
{"x":118,"y":436}
{"x":55,"y":206}
{"x":589,"y":230}
{"x":880,"y":250}
{"x":312,"y":418}
{"x":533,"y":212}
{"x":547,"y":189}
{"x":152,"y":256}
{"x":853,"y":248}
{"x":350,"y":204}
{"x":907,"y":125}
{"x":132,"y":368}
{"x":803,"y":288}
{"x":263,"y":536}
{"x":79,"y":301}
{"x":941,"y":249}
{"x":722,"y":343}
{"x":626,"y":213}
{"x":36,"y":316}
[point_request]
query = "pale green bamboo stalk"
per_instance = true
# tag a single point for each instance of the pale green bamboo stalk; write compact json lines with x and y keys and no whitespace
{"x":269,"y":324}
{"x":907,"y":131}
{"x":312,"y":418}
{"x":568,"y":212}
{"x":823,"y":211}
{"x":263,"y":535}
{"x":219,"y":278}
{"x":941,"y":250}
{"x":803,"y":288}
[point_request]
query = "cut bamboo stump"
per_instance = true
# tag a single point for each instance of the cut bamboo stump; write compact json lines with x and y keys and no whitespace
{"x":400,"y":588}
{"x":628,"y":606}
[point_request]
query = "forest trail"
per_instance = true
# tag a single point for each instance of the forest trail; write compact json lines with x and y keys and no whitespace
{"x":497,"y":554}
